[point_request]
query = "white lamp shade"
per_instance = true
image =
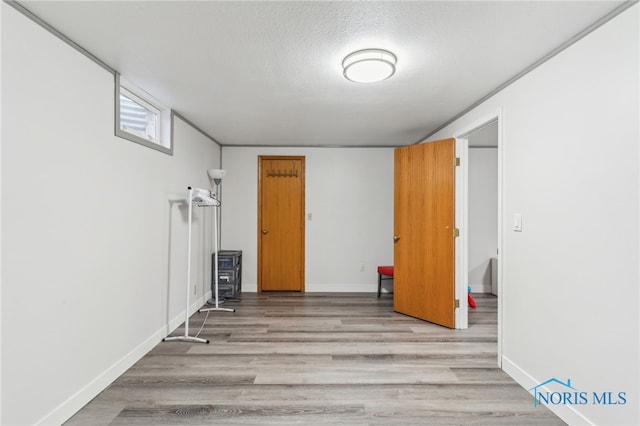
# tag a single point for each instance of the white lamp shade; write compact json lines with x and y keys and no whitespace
{"x":369,"y":65}
{"x":216,"y":173}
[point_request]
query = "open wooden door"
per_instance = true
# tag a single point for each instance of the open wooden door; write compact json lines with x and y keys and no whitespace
{"x":281,"y":223}
{"x":424,"y":231}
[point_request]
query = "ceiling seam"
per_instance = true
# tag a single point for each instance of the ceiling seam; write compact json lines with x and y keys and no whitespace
{"x":309,"y":146}
{"x":186,"y":120}
{"x":579,"y":36}
{"x":26,"y":12}
{"x":51,"y":29}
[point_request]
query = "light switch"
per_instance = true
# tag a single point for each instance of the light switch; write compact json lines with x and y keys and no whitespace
{"x":309,"y":216}
{"x":517,"y":222}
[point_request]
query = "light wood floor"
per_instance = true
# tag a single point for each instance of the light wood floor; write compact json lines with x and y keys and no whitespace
{"x":316,"y":359}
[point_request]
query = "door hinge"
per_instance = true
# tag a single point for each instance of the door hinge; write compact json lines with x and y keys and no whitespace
{"x":457,"y":161}
{"x":456,"y":232}
{"x":456,"y":303}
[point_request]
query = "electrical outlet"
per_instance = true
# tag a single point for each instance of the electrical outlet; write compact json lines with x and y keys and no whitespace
{"x":362,"y":267}
{"x":195,"y":289}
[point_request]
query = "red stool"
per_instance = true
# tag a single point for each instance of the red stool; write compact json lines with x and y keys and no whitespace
{"x":384,"y":273}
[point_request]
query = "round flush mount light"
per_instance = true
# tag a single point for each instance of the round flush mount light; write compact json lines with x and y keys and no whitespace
{"x":369,"y":65}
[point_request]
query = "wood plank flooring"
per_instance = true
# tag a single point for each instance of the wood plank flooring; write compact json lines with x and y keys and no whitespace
{"x":320,"y":359}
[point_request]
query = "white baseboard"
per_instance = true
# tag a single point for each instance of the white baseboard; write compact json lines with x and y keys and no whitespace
{"x":179,"y":319}
{"x":73,"y":404}
{"x":480,"y":288}
{"x":371,"y":287}
{"x":566,"y":412}
{"x":346,"y":288}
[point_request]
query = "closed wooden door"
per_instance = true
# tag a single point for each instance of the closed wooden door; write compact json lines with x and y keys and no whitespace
{"x":424,"y":220}
{"x":280,"y":223}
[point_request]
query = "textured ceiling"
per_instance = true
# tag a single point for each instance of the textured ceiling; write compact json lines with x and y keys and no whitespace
{"x":269,"y":72}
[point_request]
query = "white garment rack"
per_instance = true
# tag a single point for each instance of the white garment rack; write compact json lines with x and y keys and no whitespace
{"x":203,"y":198}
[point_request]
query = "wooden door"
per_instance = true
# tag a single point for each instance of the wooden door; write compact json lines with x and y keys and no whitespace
{"x":424,"y":241}
{"x":281,"y":223}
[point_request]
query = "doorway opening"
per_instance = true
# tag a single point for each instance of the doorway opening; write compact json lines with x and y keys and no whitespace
{"x":485,"y":218}
{"x":483,"y":209}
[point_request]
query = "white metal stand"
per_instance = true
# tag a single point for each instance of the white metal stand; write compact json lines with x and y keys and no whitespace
{"x":202,"y":201}
{"x":215,"y":260}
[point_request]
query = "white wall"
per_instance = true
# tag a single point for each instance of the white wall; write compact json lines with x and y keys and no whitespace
{"x":349,"y":193}
{"x":571,"y":278}
{"x":1,"y":34}
{"x":93,"y":230}
{"x":483,"y":215}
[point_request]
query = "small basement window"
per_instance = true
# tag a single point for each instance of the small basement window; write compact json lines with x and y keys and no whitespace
{"x":141,"y":119}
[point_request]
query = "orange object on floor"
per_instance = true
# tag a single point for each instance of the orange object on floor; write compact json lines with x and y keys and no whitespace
{"x":472,"y":303}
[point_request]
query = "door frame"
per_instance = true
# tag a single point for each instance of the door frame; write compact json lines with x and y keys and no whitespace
{"x":462,"y":133}
{"x":461,"y":315}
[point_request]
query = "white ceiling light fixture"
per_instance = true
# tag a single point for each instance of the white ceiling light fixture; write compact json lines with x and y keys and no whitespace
{"x":369,"y":65}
